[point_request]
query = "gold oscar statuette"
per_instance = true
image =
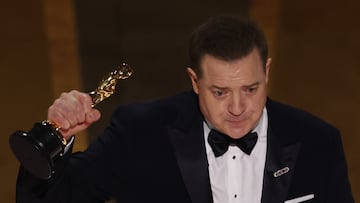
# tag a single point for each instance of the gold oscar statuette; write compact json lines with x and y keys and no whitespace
{"x":40,"y":148}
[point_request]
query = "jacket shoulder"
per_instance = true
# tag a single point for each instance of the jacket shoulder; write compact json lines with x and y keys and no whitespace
{"x":160,"y":109}
{"x":283,"y":117}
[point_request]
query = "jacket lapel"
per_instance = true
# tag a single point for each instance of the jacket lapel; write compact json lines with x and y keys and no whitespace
{"x":279,"y":168}
{"x":281,"y":156}
{"x":193,"y":164}
{"x":186,"y":135}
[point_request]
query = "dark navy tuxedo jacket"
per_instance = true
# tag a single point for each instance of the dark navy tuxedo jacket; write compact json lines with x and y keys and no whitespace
{"x":155,"y":152}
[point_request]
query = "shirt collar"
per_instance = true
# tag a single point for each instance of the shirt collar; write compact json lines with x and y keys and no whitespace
{"x":260,"y":129}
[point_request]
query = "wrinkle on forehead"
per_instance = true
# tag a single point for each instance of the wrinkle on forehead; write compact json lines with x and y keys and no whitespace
{"x":244,"y":71}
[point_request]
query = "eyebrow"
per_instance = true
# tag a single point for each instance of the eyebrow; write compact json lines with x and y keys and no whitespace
{"x":223,"y":88}
{"x":217,"y":87}
{"x":252,"y":85}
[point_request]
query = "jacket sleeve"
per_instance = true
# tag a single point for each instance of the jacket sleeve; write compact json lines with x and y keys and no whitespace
{"x":79,"y":177}
{"x":339,"y":189}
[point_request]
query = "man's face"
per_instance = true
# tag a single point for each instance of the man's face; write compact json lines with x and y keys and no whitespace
{"x":232,"y":94}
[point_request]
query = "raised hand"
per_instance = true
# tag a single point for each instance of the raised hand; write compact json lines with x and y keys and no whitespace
{"x":72,"y":112}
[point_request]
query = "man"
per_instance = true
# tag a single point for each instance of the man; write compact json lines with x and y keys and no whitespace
{"x":225,"y":141}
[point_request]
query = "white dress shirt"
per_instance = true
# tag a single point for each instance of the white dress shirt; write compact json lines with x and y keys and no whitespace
{"x":236,"y":177}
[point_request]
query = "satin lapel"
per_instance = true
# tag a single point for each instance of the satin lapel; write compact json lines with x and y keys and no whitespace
{"x":279,"y":168}
{"x":190,"y":152}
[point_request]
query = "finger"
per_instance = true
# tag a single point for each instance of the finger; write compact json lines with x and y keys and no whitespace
{"x":86,"y":105}
{"x":82,"y":105}
{"x":69,"y":108}
{"x":73,"y":131}
{"x":85,"y":101}
{"x":93,"y":116}
{"x":67,"y":111}
{"x":57,"y":118}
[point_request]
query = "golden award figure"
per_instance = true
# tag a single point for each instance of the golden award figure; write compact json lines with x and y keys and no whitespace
{"x":40,"y":148}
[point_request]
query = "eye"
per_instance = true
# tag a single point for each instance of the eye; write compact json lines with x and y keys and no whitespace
{"x":251,"y":90}
{"x":218,"y":93}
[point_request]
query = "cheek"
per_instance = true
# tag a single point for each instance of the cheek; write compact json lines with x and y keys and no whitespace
{"x":219,"y":114}
{"x":211,"y":108}
{"x":259,"y":98}
{"x":257,"y":105}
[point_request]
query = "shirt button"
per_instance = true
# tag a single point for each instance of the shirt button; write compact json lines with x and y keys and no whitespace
{"x":235,"y":196}
{"x":234,"y":157}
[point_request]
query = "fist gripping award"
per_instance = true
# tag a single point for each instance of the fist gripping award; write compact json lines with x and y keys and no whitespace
{"x":40,"y":148}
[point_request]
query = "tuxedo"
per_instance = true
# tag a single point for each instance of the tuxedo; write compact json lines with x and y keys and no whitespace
{"x":155,"y":152}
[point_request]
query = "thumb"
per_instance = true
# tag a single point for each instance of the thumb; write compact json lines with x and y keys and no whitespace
{"x":92,"y":116}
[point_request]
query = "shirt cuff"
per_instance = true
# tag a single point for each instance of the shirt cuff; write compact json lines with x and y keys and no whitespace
{"x":69,"y":144}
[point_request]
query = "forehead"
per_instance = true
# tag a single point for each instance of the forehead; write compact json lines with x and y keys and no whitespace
{"x":248,"y":67}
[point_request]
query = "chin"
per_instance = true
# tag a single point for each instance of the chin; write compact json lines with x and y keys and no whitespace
{"x":237,"y":132}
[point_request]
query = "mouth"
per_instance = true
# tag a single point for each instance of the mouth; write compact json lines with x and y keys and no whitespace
{"x":236,"y":124}
{"x":236,"y":120}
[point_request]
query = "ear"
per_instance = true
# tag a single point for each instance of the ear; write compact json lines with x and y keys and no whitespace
{"x":267,"y":69}
{"x":194,"y":79}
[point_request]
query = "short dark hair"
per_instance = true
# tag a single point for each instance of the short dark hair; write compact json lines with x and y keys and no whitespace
{"x":227,"y":38}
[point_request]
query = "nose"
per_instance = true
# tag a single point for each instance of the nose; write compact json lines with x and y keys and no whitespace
{"x":236,"y":105}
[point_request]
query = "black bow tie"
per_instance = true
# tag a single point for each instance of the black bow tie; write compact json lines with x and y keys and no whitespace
{"x":220,"y":142}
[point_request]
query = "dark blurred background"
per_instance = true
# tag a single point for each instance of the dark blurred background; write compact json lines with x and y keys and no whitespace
{"x":47,"y":47}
